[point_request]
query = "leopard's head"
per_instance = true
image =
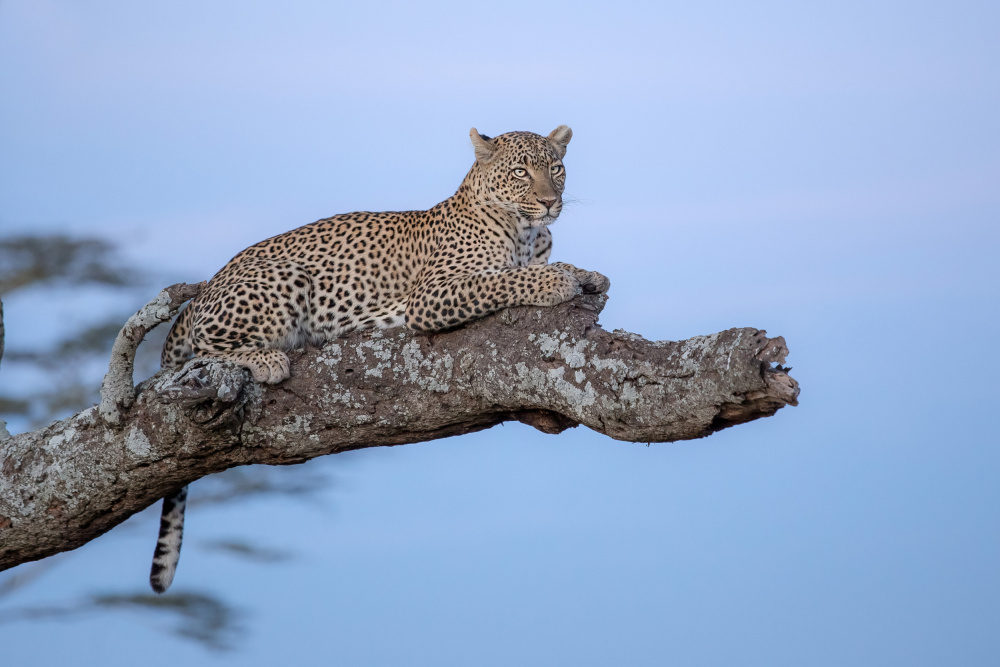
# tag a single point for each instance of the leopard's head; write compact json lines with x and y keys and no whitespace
{"x":521,"y":173}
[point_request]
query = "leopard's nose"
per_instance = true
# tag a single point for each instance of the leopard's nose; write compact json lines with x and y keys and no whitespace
{"x":548,"y":203}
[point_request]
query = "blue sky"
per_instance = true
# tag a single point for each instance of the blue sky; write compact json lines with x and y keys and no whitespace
{"x":828,"y":173}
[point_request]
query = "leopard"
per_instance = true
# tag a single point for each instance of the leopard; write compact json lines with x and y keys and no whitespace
{"x":484,"y":249}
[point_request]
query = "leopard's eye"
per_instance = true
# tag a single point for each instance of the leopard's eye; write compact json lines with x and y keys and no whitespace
{"x":557,"y":169}
{"x":520,"y":172}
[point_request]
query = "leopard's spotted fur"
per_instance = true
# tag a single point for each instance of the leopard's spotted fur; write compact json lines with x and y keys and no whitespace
{"x":483,"y":249}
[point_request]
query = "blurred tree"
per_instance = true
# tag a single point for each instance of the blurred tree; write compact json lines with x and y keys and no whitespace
{"x":61,"y":261}
{"x":29,"y":260}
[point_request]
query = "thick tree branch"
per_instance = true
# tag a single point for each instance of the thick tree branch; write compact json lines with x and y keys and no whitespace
{"x":118,"y":388}
{"x":552,"y":368}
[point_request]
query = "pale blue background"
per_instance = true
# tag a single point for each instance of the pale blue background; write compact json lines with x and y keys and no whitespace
{"x":829,"y":172}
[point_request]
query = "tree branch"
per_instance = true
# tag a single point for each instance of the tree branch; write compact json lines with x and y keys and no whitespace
{"x":552,"y":368}
{"x":117,"y":389}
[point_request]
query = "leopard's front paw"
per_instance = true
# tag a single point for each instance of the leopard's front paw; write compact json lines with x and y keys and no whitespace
{"x":594,"y":283}
{"x":591,"y":282}
{"x":558,"y":286}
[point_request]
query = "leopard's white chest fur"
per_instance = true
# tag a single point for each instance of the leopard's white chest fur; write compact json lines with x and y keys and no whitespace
{"x":525,"y":250}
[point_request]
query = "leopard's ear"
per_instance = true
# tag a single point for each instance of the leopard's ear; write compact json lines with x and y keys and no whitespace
{"x":484,"y":145}
{"x":560,"y":138}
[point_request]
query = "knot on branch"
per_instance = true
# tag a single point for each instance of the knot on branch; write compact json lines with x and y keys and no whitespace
{"x":118,"y":387}
{"x":546,"y":421}
{"x":782,"y":388}
{"x":771,"y":349}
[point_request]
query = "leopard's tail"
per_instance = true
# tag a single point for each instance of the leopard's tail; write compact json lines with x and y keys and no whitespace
{"x":168,"y":546}
{"x":176,"y":351}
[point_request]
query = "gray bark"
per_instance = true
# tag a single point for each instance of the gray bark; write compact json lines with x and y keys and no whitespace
{"x":552,"y":368}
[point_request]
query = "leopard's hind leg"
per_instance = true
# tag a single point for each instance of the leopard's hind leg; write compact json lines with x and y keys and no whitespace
{"x":177,"y":348}
{"x":252,"y":313}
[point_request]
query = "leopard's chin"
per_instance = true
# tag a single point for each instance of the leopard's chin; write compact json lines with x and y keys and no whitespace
{"x":540,"y":220}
